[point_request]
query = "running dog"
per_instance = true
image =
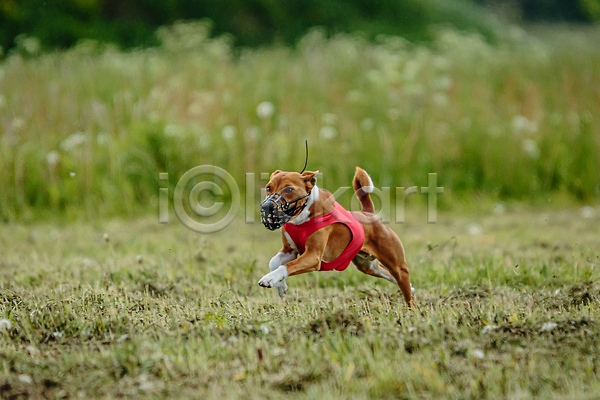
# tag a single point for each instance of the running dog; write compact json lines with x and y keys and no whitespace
{"x":320,"y":235}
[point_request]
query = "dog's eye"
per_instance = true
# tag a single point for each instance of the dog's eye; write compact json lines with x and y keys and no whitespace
{"x":288,"y":190}
{"x":268,"y":189}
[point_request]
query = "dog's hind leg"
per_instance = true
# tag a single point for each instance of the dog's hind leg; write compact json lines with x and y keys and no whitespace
{"x":398,"y":268}
{"x":368,"y":264}
{"x":390,"y":253}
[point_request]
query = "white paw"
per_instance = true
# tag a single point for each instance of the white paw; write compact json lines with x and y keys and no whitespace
{"x":281,"y":288}
{"x":274,"y":277}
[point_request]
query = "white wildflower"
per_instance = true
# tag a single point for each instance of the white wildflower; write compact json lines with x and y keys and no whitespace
{"x":327,"y":132}
{"x":393,"y":114}
{"x":106,"y":237}
{"x":265,"y":329}
{"x":488,"y":328}
{"x":204,"y":141}
{"x":74,"y":141}
{"x":29,"y":44}
{"x":283,"y":123}
{"x":52,"y":158}
{"x":329,"y":119}
{"x":31,"y":350}
{"x":478,"y":354}
{"x":522,"y":124}
{"x":173,"y":130}
{"x":499,"y":208}
{"x":139,"y":258}
{"x":18,"y":123}
{"x":587,"y":212}
{"x":145,"y":384}
{"x":228,"y":132}
{"x":440,"y":99}
{"x":443,"y":82}
{"x":88,"y":262}
{"x":278,"y":351}
{"x":265,"y":110}
{"x":25,"y":379}
{"x":475,"y":229}
{"x":233,"y":339}
{"x":5,"y":325}
{"x":531,"y":148}
{"x":519,"y":123}
{"x":548,"y":326}
{"x":367,"y":124}
{"x":58,"y":334}
{"x":195,"y":108}
{"x":102,"y":139}
{"x":72,"y":174}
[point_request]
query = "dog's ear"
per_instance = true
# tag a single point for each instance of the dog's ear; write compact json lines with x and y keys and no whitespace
{"x":275,"y":173}
{"x":310,"y":178}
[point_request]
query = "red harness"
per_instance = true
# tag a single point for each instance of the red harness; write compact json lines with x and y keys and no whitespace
{"x":300,"y":233}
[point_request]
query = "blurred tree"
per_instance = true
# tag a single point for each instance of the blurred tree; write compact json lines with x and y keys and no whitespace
{"x":130,"y":23}
{"x":591,"y":9}
{"x":549,"y":10}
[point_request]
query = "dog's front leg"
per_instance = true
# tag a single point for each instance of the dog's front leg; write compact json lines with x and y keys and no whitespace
{"x":280,"y":259}
{"x":309,"y":261}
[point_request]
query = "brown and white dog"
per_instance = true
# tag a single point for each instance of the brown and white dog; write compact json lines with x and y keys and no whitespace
{"x":294,"y":198}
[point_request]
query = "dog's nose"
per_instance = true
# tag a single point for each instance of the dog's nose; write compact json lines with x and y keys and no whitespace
{"x":267,"y":207}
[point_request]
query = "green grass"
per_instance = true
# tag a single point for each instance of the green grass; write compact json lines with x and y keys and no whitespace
{"x":87,"y":131}
{"x":188,"y":320}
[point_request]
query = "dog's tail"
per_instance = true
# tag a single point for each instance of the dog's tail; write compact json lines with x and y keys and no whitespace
{"x":363,"y":185}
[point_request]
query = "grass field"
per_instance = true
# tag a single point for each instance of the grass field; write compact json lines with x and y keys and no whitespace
{"x":99,"y":300}
{"x":508,"y":308}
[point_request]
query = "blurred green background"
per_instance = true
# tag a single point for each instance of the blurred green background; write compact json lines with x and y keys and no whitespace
{"x":131,"y":23}
{"x":500,"y":98}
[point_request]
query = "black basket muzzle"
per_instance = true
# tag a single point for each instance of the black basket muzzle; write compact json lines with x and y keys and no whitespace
{"x":275,"y":211}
